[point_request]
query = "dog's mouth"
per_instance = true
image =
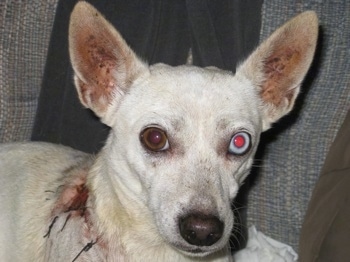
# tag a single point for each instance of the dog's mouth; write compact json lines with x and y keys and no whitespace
{"x":196,"y":251}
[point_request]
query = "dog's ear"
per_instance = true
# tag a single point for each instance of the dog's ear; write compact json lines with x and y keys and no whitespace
{"x":278,"y":66}
{"x":104,"y":65}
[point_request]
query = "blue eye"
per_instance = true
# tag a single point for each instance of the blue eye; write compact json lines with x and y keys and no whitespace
{"x":240,"y":144}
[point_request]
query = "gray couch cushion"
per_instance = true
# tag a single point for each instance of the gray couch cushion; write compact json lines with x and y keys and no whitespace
{"x":292,"y":161}
{"x":25,"y":28}
{"x":325,"y":234}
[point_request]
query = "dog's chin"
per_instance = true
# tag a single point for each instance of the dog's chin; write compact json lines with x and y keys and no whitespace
{"x":194,"y":251}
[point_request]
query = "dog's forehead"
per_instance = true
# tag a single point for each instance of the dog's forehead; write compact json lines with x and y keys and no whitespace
{"x":191,"y":92}
{"x":202,"y":86}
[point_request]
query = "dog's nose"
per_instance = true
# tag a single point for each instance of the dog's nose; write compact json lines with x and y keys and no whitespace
{"x":201,"y":229}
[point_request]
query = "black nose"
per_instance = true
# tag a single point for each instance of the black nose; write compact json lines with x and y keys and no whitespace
{"x":200,"y":229}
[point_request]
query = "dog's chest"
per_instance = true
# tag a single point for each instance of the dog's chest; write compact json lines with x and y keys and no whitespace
{"x":70,"y":237}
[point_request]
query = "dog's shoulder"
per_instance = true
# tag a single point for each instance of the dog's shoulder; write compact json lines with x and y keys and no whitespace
{"x":42,"y":158}
{"x":32,"y":177}
{"x":39,"y":150}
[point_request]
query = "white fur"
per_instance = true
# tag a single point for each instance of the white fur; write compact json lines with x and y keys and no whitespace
{"x":127,"y":201}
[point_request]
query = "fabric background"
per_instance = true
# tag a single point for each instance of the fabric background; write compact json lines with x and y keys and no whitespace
{"x":294,"y":151}
{"x":325,"y":234}
{"x":25,"y":29}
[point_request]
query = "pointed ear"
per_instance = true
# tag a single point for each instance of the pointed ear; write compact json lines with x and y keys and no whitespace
{"x":278,"y":66}
{"x":104,"y":65}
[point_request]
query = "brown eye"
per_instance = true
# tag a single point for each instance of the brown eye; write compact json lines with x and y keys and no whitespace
{"x":154,"y":139}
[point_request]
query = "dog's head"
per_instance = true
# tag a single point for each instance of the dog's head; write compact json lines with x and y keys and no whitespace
{"x":183,"y":138}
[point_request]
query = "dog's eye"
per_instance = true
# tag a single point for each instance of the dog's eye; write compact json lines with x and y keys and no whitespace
{"x":154,"y":139}
{"x":240,"y":144}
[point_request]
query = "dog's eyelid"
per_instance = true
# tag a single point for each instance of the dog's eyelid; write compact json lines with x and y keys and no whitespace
{"x":153,"y":125}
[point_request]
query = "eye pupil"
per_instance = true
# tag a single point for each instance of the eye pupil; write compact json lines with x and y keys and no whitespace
{"x":154,"y":137}
{"x":239,"y":141}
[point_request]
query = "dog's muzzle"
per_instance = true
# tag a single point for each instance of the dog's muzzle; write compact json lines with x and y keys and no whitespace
{"x":201,"y":229}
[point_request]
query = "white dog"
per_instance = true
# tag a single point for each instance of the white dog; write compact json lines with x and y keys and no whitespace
{"x":182,"y":141}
